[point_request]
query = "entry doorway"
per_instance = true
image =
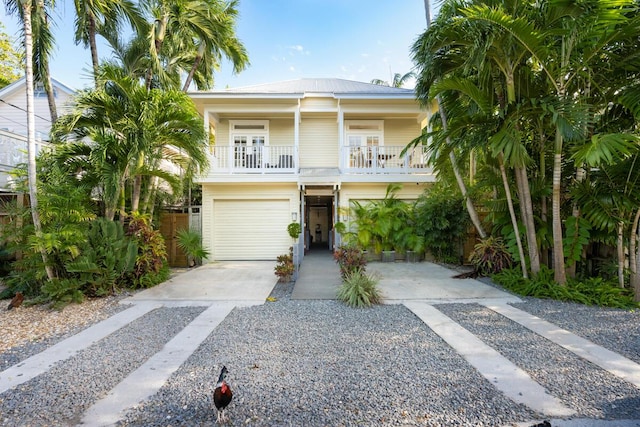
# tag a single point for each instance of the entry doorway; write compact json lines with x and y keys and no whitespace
{"x":318,"y":222}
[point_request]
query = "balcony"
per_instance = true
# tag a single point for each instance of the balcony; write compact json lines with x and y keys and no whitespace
{"x":369,"y":160}
{"x":385,"y":160}
{"x":254,"y":160}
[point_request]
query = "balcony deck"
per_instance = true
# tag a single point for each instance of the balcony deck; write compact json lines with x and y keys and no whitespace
{"x":371,"y":160}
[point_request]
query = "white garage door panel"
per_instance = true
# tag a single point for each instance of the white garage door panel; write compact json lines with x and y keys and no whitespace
{"x":250,"y":229}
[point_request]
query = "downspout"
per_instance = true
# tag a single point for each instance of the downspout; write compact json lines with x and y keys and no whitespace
{"x":341,"y":163}
{"x":296,"y":134}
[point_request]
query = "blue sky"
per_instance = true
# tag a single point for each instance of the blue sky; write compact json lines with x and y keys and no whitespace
{"x":287,"y":39}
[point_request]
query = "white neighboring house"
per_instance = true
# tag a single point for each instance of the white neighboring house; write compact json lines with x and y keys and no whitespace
{"x":13,"y":122}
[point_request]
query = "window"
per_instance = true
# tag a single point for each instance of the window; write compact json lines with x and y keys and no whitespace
{"x":39,"y":92}
{"x":249,"y":137}
{"x":364,"y":133}
{"x":363,"y":137}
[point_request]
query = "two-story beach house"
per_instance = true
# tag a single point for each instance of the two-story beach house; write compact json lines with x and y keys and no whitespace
{"x":302,"y":150}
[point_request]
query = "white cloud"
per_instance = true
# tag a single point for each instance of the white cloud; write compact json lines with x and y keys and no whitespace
{"x":297,"y":49}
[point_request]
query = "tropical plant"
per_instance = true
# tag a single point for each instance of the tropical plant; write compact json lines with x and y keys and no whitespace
{"x":284,"y":268}
{"x":104,"y":17}
{"x":24,"y":9}
{"x":387,"y":221}
{"x":151,"y":261}
{"x":106,"y":259}
{"x":294,"y":229}
{"x":591,"y":291}
{"x":191,"y":37}
{"x":10,"y":59}
{"x":490,"y":256}
{"x":133,"y":130}
{"x":441,"y":221}
{"x":349,"y":259}
{"x":359,"y":289}
{"x":191,"y":244}
{"x":398,"y":80}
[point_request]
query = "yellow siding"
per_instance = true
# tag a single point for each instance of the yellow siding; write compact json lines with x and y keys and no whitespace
{"x":400,"y":131}
{"x":319,"y":146}
{"x":366,"y":191}
{"x":281,"y":132}
{"x":318,"y":104}
{"x":222,"y":133}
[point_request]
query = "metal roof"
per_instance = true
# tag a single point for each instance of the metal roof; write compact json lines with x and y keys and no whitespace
{"x":337,"y":87}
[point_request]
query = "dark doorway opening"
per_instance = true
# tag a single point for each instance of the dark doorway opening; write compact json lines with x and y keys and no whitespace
{"x":318,"y":222}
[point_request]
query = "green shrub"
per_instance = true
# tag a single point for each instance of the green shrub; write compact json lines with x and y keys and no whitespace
{"x":490,"y":256}
{"x":442,"y":221}
{"x":63,"y":292}
{"x":294,"y":229}
{"x":591,"y":291}
{"x":191,"y":244}
{"x":350,"y":258}
{"x":106,"y":259}
{"x":284,"y":268}
{"x":150,"y":266}
{"x":359,"y":289}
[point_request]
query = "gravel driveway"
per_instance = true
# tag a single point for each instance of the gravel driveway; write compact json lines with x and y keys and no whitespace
{"x":320,"y":363}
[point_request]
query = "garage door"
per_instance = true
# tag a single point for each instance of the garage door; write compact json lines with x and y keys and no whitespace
{"x":250,"y":229}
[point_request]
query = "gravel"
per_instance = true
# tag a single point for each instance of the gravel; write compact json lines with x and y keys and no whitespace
{"x":29,"y":330}
{"x":61,"y":395}
{"x":591,"y":391}
{"x":321,"y":363}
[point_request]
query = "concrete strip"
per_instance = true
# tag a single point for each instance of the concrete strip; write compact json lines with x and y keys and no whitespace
{"x":613,"y":362}
{"x":515,"y":383}
{"x":42,"y":362}
{"x":150,"y":376}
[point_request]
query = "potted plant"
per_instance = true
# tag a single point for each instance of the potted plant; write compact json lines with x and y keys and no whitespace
{"x":294,"y":229}
{"x":390,"y":217}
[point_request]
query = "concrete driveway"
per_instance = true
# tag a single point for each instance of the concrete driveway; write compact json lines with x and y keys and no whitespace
{"x":244,"y":282}
{"x":398,"y":281}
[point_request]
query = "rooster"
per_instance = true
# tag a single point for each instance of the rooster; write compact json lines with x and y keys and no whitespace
{"x":16,"y":301}
{"x":222,"y":394}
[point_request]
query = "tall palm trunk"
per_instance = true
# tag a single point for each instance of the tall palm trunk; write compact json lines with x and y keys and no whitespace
{"x":471,"y":209}
{"x":48,"y":88}
{"x":512,"y":214}
{"x":196,"y":64}
{"x":158,"y":34}
{"x":473,"y":214}
{"x":634,"y":256}
{"x":31,"y":131}
{"x":94,"y":47}
{"x":558,"y":248}
{"x":526,"y":206}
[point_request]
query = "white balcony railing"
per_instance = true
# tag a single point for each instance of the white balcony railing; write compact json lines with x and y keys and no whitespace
{"x":284,"y":159}
{"x":265,"y":159}
{"x":385,"y":159}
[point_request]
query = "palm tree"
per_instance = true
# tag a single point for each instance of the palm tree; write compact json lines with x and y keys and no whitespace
{"x":25,"y":8}
{"x":104,"y":17}
{"x":212,"y":47}
{"x":42,"y":49}
{"x":494,"y":59}
{"x":565,"y":42}
{"x":398,"y":80}
{"x":193,"y":35}
{"x":134,"y":129}
{"x":420,"y":51}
